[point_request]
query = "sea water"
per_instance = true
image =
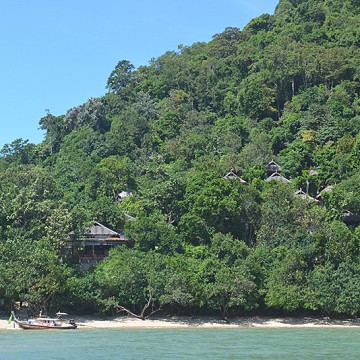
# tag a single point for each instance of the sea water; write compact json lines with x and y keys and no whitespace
{"x":193,"y":343}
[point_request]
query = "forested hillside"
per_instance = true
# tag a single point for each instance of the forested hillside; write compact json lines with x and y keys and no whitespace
{"x":285,"y":89}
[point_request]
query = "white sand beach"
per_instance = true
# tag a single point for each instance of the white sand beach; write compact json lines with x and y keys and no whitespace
{"x":204,"y":322}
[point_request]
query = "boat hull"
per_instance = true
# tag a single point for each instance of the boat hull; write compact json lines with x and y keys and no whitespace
{"x":26,"y":326}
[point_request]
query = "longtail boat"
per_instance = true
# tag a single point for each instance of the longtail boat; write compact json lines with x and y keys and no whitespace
{"x":45,"y":323}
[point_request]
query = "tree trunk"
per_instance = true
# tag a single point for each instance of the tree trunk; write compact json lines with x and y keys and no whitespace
{"x":142,"y":315}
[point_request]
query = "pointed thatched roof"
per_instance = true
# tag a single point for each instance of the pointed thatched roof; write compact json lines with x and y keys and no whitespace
{"x":301,"y":194}
{"x":232,"y":175}
{"x":277,"y":177}
{"x":272,"y":167}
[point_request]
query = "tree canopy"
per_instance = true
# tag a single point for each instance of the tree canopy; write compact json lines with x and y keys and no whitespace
{"x":285,"y":89}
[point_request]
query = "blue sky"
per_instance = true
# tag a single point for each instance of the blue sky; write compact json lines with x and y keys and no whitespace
{"x":56,"y":54}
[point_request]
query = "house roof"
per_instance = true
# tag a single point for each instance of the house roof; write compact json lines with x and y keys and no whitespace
{"x":277,"y":177}
{"x":351,"y":219}
{"x":124,"y":194}
{"x":272,"y":166}
{"x":232,"y":175}
{"x":326,"y":190}
{"x":99,"y":229}
{"x":98,"y":233}
{"x":303,"y":195}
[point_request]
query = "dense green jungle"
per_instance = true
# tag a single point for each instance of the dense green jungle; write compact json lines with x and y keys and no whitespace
{"x":284,"y":89}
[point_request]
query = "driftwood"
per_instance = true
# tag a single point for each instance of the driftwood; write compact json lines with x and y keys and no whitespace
{"x":142,"y":316}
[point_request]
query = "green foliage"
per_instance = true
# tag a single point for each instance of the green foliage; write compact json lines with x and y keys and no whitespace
{"x":91,"y":114}
{"x":154,"y":233}
{"x":287,"y":282}
{"x":334,"y":290}
{"x":284,"y":88}
{"x":113,"y":175}
{"x":120,"y":77}
{"x":335,"y":243}
{"x":19,"y":152}
{"x":82,"y":293}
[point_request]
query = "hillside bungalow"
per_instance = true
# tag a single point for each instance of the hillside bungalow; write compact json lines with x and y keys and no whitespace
{"x":93,"y":244}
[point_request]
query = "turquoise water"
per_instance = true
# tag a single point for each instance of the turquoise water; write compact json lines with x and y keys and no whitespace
{"x":242,"y":343}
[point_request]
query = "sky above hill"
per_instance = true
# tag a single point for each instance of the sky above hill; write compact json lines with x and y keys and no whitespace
{"x":56,"y":54}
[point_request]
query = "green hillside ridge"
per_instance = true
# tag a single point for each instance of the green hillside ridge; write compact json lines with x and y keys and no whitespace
{"x":285,"y":89}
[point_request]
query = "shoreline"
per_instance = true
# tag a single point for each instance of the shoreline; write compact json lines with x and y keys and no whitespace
{"x":204,"y":323}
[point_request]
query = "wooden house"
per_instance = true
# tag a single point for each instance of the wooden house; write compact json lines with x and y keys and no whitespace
{"x":92,"y":244}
